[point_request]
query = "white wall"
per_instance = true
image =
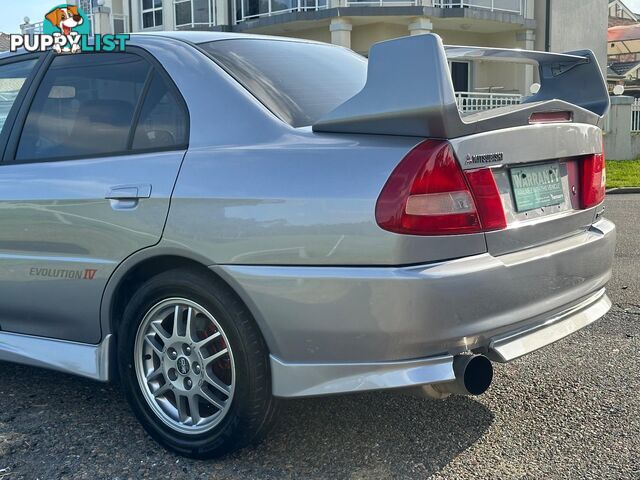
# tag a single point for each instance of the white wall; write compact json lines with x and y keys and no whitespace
{"x":575,"y":25}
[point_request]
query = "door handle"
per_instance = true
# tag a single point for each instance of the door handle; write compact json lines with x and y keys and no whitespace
{"x":129,"y":192}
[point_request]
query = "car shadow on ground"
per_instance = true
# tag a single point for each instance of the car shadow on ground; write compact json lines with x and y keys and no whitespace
{"x":52,"y":425}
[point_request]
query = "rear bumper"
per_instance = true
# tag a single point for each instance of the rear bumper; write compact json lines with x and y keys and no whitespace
{"x":328,"y":319}
{"x":305,"y":379}
{"x":529,"y":339}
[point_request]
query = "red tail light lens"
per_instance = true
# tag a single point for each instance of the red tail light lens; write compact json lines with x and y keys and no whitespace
{"x":488,"y":200}
{"x":428,"y":194}
{"x":593,"y":179}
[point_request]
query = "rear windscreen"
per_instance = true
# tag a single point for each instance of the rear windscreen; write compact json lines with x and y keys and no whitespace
{"x":299,"y":82}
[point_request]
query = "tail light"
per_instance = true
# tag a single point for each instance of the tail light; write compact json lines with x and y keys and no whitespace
{"x":428,"y":194}
{"x":550,"y":117}
{"x":593,"y":179}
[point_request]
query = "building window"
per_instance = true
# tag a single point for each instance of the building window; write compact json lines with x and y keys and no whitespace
{"x":151,"y":13}
{"x":195,"y":13}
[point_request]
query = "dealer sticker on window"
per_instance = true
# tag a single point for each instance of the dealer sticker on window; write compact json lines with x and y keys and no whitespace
{"x":537,"y":186}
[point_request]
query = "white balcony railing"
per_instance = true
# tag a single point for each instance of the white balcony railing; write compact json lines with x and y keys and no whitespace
{"x":31,"y":28}
{"x":508,"y":6}
{"x":476,"y":102}
{"x":635,"y":116}
{"x":383,"y":3}
{"x":252,"y":9}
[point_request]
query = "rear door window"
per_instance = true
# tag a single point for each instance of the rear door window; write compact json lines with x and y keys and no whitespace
{"x":84,"y":107}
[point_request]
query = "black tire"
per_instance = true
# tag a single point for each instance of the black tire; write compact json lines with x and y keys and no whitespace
{"x":253,"y":408}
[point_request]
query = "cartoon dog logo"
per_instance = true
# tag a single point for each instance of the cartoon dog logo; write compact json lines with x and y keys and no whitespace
{"x":66,"y":19}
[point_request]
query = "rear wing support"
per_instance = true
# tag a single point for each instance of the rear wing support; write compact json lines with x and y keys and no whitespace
{"x":409,"y":91}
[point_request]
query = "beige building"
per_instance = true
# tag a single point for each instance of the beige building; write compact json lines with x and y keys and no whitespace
{"x":556,"y":25}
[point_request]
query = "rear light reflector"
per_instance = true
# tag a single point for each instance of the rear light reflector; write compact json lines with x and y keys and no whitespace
{"x":593,"y":179}
{"x":428,"y":194}
{"x":550,"y":117}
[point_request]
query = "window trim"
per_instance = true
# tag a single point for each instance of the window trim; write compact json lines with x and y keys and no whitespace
{"x":153,"y":10}
{"x":9,"y":157}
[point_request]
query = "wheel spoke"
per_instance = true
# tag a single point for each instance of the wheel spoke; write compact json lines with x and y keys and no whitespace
{"x":157,"y":327}
{"x":187,"y":331}
{"x":211,"y":400}
{"x":217,"y":384}
{"x":215,"y":356}
{"x":154,"y":373}
{"x":162,"y":390}
{"x":176,"y":319}
{"x":204,"y":342}
{"x":151,"y":341}
{"x":181,"y":405}
{"x":194,"y":408}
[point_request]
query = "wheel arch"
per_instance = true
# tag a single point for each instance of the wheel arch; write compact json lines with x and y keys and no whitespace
{"x":136,"y":269}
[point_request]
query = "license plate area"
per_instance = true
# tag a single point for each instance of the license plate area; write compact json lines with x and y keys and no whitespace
{"x":536,"y":186}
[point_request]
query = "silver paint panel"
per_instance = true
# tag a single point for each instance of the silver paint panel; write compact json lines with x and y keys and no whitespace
{"x":531,"y":143}
{"x":85,"y":360}
{"x":55,"y":218}
{"x":307,"y":380}
{"x":300,"y":199}
{"x":360,"y":314}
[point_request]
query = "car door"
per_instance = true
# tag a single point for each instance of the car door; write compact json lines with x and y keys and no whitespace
{"x":85,"y":181}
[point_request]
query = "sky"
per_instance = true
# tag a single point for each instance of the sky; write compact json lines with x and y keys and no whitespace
{"x":13,"y":17}
{"x":634,"y":5}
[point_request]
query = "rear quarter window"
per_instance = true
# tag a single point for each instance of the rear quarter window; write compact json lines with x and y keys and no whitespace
{"x":299,"y":82}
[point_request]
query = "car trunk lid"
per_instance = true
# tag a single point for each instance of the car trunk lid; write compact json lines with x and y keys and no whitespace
{"x":538,"y":170}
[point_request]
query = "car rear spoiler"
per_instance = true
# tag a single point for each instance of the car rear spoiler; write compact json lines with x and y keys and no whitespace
{"x":409,"y":91}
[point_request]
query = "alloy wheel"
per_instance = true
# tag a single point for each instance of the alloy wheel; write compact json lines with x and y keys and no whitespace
{"x":184,"y":365}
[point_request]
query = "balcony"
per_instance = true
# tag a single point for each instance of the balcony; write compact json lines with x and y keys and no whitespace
{"x":506,"y":6}
{"x":252,"y":9}
{"x":32,"y":28}
{"x":256,"y":9}
{"x":383,"y":3}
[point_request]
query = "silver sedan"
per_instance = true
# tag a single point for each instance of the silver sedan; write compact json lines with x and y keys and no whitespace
{"x":219,"y":221}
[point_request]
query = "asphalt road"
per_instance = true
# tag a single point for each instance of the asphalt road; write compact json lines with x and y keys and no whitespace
{"x":571,"y":410}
